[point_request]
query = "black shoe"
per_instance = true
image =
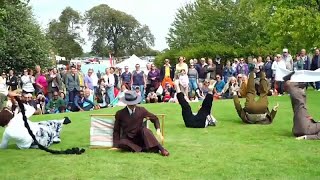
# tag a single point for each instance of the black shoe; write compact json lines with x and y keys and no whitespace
{"x":66,"y":120}
{"x":288,"y":77}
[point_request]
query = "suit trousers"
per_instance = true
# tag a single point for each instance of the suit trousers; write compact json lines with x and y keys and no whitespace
{"x":143,"y":141}
{"x":198,"y":120}
{"x":261,"y":106}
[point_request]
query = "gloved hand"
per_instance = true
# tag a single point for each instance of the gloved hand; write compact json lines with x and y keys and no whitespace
{"x":275,"y":108}
{"x":159,"y":134}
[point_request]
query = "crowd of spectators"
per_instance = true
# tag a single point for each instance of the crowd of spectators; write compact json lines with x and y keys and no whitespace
{"x":64,"y":90}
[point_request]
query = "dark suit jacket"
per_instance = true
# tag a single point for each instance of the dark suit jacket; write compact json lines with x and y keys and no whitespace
{"x":131,"y":126}
{"x":162,"y":72}
{"x":56,"y":81}
{"x":72,"y":82}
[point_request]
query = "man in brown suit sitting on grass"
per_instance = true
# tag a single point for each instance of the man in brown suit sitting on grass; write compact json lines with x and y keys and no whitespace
{"x":129,"y":133}
{"x":304,"y":126}
{"x":255,"y":112}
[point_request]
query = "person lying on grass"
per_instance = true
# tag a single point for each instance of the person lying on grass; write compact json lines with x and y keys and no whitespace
{"x":129,"y":133}
{"x":255,"y":112}
{"x":203,"y":118}
{"x":46,"y":132}
{"x":304,"y":126}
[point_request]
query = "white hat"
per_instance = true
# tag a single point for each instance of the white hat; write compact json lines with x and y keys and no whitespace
{"x":285,"y":50}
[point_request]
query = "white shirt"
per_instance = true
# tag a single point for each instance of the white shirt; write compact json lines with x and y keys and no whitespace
{"x":95,"y":79}
{"x":110,"y":81}
{"x":27,"y":83}
{"x":131,"y":111}
{"x":16,"y":130}
{"x":276,"y":65}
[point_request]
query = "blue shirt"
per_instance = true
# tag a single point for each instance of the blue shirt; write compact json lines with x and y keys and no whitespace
{"x":219,"y":86}
{"x":78,"y":101}
{"x":126,"y":77}
{"x":88,"y":80}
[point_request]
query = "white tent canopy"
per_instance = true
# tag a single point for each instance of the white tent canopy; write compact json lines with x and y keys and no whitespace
{"x":131,"y":63}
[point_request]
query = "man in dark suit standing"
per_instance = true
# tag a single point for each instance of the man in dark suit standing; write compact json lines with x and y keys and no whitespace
{"x":304,"y":126}
{"x":129,"y":132}
{"x":72,"y":84}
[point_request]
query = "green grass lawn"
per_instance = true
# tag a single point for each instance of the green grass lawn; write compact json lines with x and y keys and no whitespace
{"x":232,"y":150}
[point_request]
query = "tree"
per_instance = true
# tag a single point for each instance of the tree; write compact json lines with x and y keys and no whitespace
{"x":64,"y":33}
{"x":22,"y":44}
{"x":117,"y":32}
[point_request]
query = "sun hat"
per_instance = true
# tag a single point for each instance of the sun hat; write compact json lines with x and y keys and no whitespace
{"x":130,"y":98}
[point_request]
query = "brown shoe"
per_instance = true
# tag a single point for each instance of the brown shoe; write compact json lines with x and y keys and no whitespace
{"x":164,"y":152}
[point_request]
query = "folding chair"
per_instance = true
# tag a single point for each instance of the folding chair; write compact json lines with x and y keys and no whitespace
{"x":101,"y":130}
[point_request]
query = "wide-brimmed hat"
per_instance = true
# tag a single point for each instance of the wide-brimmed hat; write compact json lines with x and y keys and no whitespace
{"x":131,"y":98}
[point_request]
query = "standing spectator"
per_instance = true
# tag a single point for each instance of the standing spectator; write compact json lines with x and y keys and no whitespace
{"x":211,"y":70}
{"x":298,"y":64}
{"x":287,"y":58}
{"x":88,"y":81}
{"x":278,"y":63}
{"x":305,"y":59}
{"x":166,"y":72}
{"x":202,"y":71}
{"x":110,"y":81}
{"x":235,"y":65}
{"x":268,"y":70}
{"x":219,"y":66}
{"x":80,"y":76}
{"x":193,"y":79}
{"x":316,"y":65}
{"x":126,"y":77}
{"x":184,"y":82}
{"x":72,"y":84}
{"x":41,"y":83}
{"x":99,"y":74}
{"x":27,"y":82}
{"x":3,"y":86}
{"x":54,"y":82}
{"x":38,"y":73}
{"x":138,"y":79}
{"x":227,"y":72}
{"x":115,"y":75}
{"x":179,"y":66}
{"x":196,"y":65}
{"x":154,"y":77}
{"x":12,"y":81}
{"x":95,"y":80}
{"x":148,"y":82}
{"x":259,"y":65}
{"x":242,"y":67}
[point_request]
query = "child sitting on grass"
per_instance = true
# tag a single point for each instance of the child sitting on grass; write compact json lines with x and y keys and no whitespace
{"x":152,"y":96}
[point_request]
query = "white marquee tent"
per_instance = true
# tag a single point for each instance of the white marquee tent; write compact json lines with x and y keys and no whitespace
{"x":131,"y":63}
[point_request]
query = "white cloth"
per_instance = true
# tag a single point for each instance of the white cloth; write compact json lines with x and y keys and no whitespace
{"x":298,"y":76}
{"x":3,"y":86}
{"x":16,"y":130}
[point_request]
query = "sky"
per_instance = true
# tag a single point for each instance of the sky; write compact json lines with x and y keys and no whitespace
{"x":157,"y":14}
